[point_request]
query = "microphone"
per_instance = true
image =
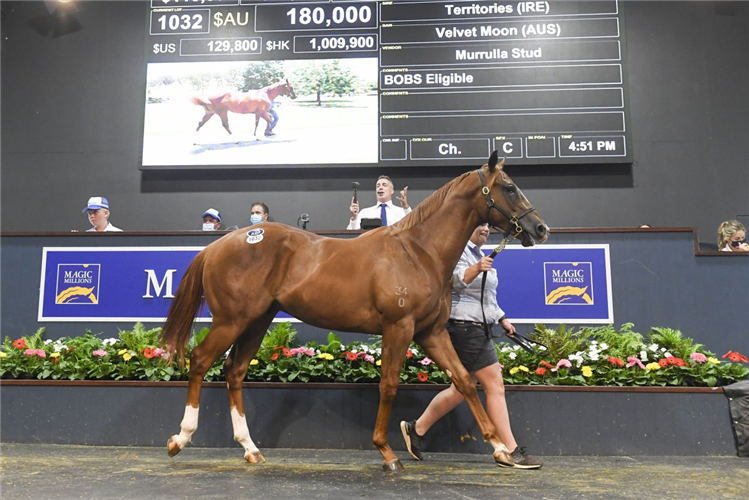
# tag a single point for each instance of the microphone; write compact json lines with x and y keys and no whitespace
{"x":355,"y":185}
{"x":304,"y":219}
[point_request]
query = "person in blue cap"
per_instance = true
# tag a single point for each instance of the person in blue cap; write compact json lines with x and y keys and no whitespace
{"x":98,"y":215}
{"x":211,"y":220}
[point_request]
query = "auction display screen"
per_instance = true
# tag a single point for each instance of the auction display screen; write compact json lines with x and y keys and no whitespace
{"x":238,"y":83}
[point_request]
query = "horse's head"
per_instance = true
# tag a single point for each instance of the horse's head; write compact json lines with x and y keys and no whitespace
{"x":288,"y":89}
{"x":507,"y":207}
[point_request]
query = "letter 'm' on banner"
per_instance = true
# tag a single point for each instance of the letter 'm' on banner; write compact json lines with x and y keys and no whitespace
{"x":167,"y":280}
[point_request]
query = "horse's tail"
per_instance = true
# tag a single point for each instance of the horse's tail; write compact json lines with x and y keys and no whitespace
{"x":201,"y":102}
{"x":187,"y":301}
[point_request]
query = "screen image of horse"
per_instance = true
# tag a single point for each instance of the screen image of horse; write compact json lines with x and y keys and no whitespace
{"x":232,"y":107}
{"x":392,"y":281}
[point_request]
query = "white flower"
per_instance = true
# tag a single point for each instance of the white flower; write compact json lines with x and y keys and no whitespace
{"x":515,"y":347}
{"x":353,"y":351}
{"x":653,"y":347}
{"x":663,"y":349}
{"x":576,"y":358}
{"x":48,"y":342}
{"x":59,"y":347}
{"x":513,"y":355}
{"x":540,"y":348}
{"x":364,"y":348}
{"x":593,"y":342}
{"x":644,"y":355}
{"x":593,"y":356}
{"x":604,"y":346}
{"x":505,"y":349}
{"x":110,"y":341}
{"x":667,"y":355}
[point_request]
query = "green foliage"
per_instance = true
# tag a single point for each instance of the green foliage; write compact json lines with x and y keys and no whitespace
{"x":260,"y":74}
{"x":590,"y":356}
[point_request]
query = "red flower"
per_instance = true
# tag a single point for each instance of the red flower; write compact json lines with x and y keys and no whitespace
{"x":274,"y":357}
{"x":616,"y":361}
{"x":663,"y":363}
{"x":675,"y":361}
{"x":733,"y":356}
{"x":547,"y":365}
{"x":21,"y":344}
{"x":540,"y":371}
{"x":351,"y":356}
{"x":409,"y":354}
{"x":423,"y":377}
{"x":286,"y":352}
{"x":148,"y":353}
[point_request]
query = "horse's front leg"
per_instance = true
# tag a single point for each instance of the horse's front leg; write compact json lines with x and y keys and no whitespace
{"x":440,"y":349}
{"x":218,"y":340}
{"x":208,"y":115}
{"x":395,"y":340}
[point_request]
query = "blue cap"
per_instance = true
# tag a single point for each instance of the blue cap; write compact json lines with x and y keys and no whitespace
{"x":96,"y":202}
{"x":213,"y":213}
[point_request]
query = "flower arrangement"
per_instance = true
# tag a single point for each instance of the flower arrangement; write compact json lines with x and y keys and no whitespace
{"x":588,"y":356}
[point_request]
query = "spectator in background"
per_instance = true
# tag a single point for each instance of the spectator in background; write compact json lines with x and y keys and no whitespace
{"x":259,"y":213}
{"x":211,"y":220}
{"x":98,"y":215}
{"x":732,"y":237}
{"x":384,"y":209}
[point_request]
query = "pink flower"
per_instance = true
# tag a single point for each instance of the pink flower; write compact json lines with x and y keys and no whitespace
{"x":562,"y":363}
{"x":698,"y":357}
{"x":426,"y":362}
{"x":369,"y":358}
{"x":41,"y":353}
{"x":100,"y":352}
{"x":158,"y":351}
{"x":30,"y":352}
{"x":35,"y":352}
{"x":632,"y":361}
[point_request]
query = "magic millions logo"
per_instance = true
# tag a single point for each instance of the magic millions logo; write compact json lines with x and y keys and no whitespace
{"x":568,"y":283}
{"x":77,"y":284}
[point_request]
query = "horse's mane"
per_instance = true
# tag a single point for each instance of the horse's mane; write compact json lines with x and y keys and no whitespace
{"x":427,"y":207}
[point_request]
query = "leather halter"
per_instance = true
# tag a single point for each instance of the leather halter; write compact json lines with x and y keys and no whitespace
{"x":513,"y":219}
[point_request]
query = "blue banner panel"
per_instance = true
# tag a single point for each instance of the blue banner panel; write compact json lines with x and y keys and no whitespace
{"x":549,"y":283}
{"x":555,"y":283}
{"x":114,"y":283}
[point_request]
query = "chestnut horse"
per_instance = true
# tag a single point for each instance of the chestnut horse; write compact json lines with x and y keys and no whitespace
{"x":394,"y":281}
{"x":254,"y":101}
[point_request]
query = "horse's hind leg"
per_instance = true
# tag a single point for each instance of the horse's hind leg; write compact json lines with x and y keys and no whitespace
{"x":208,"y":115}
{"x":218,"y":340}
{"x":224,"y":115}
{"x":236,"y":370}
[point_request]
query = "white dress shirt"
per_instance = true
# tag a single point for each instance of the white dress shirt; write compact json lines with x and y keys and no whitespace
{"x":109,"y":227}
{"x":394,"y":214}
{"x":466,"y":298}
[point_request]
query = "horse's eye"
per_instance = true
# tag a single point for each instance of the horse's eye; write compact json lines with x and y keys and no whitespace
{"x":511,"y":189}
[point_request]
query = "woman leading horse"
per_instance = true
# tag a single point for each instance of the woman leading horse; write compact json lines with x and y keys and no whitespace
{"x":393,"y":281}
{"x":258,"y":102}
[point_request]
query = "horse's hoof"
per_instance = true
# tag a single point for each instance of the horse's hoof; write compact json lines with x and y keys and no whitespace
{"x":504,"y":459}
{"x":394,"y":466}
{"x":172,"y":448}
{"x":254,"y":458}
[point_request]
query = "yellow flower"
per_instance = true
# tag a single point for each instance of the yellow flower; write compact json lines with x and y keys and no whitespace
{"x":127,"y":356}
{"x":3,"y":354}
{"x":253,"y":362}
{"x":54,"y":355}
{"x":523,"y":368}
{"x":121,"y":352}
{"x":379,"y":362}
{"x":325,"y":355}
{"x":714,"y":361}
{"x":587,"y":371}
{"x":653,"y":366}
{"x":514,"y":370}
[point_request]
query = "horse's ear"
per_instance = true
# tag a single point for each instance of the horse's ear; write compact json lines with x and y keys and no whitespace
{"x":493,"y":161}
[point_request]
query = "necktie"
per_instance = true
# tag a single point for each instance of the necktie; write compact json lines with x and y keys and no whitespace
{"x":383,"y":215}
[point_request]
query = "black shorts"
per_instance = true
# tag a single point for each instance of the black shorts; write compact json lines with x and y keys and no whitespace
{"x":475,"y":350}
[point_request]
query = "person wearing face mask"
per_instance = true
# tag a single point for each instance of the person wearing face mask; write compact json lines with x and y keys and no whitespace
{"x":475,"y":350}
{"x":211,"y":220}
{"x":732,"y":237}
{"x":384,"y":209}
{"x":259,"y":213}
{"x":97,"y":210}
